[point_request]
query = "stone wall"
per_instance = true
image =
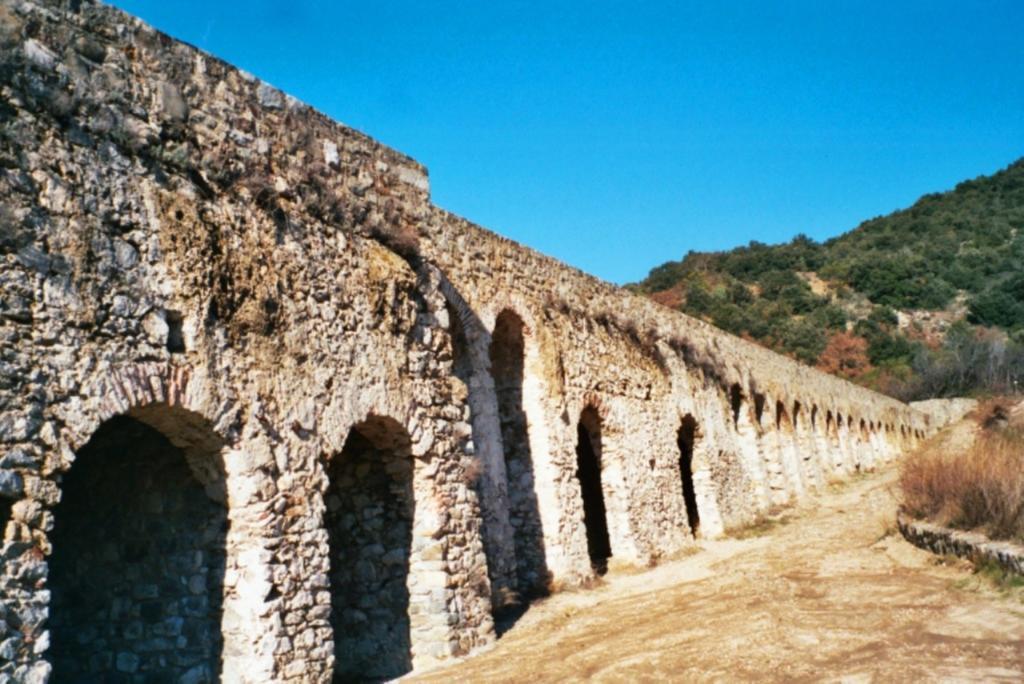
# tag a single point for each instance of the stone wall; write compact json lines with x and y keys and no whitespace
{"x":770,"y":430}
{"x":274,"y":296}
{"x":973,"y":546}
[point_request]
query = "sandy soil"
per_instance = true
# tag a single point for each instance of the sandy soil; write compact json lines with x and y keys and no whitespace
{"x":833,"y":594}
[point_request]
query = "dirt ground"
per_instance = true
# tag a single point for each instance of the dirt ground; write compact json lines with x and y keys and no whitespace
{"x":831,"y":593}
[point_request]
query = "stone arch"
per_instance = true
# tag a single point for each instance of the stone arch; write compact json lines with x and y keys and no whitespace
{"x":588,"y":473}
{"x":804,"y":449}
{"x":370,"y":513}
{"x":819,"y":441}
{"x":507,"y":354}
{"x":133,"y":387}
{"x":140,"y":549}
{"x":831,"y":441}
{"x":748,"y":442}
{"x":470,"y":343}
{"x":478,"y":324}
{"x":686,"y":438}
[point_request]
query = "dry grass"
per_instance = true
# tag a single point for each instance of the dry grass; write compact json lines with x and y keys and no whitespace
{"x":885,"y":526}
{"x":995,"y":413}
{"x":979,"y":488}
{"x":762,"y":525}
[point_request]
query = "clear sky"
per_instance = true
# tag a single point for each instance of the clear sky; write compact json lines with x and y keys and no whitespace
{"x":618,"y":135}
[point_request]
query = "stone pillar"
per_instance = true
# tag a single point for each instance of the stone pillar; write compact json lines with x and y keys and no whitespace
{"x":250,"y":623}
{"x":750,"y":448}
{"x":846,"y":446}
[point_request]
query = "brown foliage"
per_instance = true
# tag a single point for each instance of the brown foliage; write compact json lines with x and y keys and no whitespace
{"x":845,"y":355}
{"x":981,"y":488}
{"x":992,"y":412}
{"x":672,"y":298}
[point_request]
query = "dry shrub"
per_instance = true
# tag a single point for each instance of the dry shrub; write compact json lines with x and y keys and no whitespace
{"x":473,"y":471}
{"x":401,"y":239}
{"x":991,"y":413}
{"x":982,"y":488}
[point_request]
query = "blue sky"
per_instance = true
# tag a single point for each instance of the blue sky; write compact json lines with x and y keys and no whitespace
{"x":618,"y":135}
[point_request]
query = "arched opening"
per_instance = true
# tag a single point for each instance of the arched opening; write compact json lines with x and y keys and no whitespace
{"x":736,"y":402}
{"x":138,"y":563}
{"x":759,"y":400}
{"x":5,"y":515}
{"x":830,"y":426}
{"x":369,"y":519}
{"x":686,"y":437}
{"x":507,"y":354}
{"x":781,"y":417}
{"x":588,"y":472}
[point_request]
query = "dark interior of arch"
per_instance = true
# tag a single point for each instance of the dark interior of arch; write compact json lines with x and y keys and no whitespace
{"x":736,"y":401}
{"x":5,"y":515}
{"x":759,"y":400}
{"x":780,"y":415}
{"x":507,"y":355}
{"x":137,"y":569}
{"x":588,"y":471}
{"x":369,"y":524}
{"x":686,"y":438}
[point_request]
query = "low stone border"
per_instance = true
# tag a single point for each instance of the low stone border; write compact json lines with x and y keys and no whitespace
{"x":971,"y":545}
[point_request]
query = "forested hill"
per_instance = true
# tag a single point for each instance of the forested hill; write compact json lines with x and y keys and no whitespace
{"x":894,"y":303}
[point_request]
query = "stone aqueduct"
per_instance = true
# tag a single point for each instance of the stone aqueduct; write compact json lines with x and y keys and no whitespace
{"x":267,"y":414}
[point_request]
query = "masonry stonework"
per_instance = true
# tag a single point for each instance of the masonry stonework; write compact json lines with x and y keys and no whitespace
{"x":267,"y":414}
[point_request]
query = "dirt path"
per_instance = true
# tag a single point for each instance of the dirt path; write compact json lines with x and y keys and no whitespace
{"x":833,"y":594}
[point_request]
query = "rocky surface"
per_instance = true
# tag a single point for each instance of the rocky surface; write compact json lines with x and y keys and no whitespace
{"x":183,"y":244}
